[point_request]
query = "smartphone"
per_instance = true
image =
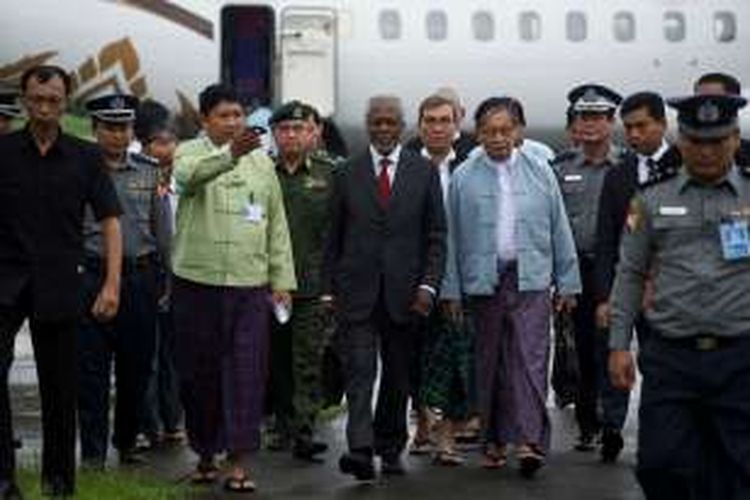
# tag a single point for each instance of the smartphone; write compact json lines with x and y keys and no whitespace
{"x":257,"y":130}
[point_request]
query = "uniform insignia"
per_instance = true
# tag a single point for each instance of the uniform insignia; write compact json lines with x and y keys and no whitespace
{"x":708,"y":113}
{"x":634,"y":220}
{"x":117,"y":103}
{"x":313,"y":183}
{"x":143,"y":159}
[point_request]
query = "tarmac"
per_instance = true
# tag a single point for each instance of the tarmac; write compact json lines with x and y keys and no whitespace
{"x":568,"y":474}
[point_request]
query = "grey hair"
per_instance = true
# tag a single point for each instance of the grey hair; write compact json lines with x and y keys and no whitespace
{"x":386,"y":101}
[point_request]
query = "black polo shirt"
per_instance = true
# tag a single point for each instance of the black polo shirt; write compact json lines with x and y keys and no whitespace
{"x":42,"y":200}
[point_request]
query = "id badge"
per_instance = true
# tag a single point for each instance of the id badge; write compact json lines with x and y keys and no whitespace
{"x":735,"y":239}
{"x":253,"y":212}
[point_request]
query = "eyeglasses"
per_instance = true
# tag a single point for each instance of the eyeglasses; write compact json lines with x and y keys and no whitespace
{"x":52,"y":101}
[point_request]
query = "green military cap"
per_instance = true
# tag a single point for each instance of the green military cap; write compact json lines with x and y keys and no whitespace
{"x":293,"y":110}
{"x":707,"y":116}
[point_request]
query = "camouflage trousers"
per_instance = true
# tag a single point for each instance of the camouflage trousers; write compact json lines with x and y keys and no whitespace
{"x":311,"y":328}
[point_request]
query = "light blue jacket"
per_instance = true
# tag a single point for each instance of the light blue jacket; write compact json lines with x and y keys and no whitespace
{"x":544,"y":242}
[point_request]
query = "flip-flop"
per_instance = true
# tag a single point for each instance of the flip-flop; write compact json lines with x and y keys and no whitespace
{"x":239,"y":484}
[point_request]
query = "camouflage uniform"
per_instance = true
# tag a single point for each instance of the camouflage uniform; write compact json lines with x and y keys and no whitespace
{"x":306,"y":197}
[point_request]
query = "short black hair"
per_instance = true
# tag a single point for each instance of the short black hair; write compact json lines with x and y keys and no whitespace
{"x":44,"y":73}
{"x":650,"y":101}
{"x":510,"y":104}
{"x":215,"y":94}
{"x":730,"y":83}
{"x":151,"y":118}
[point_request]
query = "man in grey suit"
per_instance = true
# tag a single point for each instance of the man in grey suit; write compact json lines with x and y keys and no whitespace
{"x":384,"y":262}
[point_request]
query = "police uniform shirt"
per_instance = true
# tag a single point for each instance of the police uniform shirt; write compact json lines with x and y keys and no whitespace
{"x":581,"y":187}
{"x":674,"y":237}
{"x":143,"y":225}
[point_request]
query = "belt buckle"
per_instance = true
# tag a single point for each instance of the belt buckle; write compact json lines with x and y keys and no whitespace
{"x":706,"y":343}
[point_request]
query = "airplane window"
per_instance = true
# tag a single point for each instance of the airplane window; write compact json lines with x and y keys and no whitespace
{"x":437,"y":25}
{"x":674,"y":26}
{"x":530,"y":26}
{"x":624,"y":27}
{"x":725,"y":27}
{"x":575,"y":26}
{"x":390,"y":24}
{"x":483,"y":25}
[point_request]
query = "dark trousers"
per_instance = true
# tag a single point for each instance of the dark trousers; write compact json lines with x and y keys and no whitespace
{"x":163,"y":411}
{"x":587,"y":351}
{"x":694,"y":432}
{"x":592,"y":346}
{"x":55,"y":352}
{"x":129,"y":340}
{"x":279,"y":400}
{"x":360,"y":343}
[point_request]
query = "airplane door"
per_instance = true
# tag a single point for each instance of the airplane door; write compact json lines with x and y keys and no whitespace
{"x":308,"y":57}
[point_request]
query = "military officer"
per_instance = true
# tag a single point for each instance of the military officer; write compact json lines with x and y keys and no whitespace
{"x":581,"y":174}
{"x":9,"y":111}
{"x":130,"y":337}
{"x":689,"y":235}
{"x":306,"y":182}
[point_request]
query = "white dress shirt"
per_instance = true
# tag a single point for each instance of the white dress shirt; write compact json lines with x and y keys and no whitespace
{"x":393,"y":157}
{"x":506,"y":210}
{"x":444,"y":170}
{"x":643,"y":169}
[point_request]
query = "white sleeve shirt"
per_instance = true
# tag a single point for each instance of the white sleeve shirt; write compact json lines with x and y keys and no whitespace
{"x":506,"y":210}
{"x":393,"y":156}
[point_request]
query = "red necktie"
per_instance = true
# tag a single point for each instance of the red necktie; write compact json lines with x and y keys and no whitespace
{"x":384,"y":182}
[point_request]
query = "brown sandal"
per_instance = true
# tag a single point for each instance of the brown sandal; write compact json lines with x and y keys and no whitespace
{"x":494,"y":457}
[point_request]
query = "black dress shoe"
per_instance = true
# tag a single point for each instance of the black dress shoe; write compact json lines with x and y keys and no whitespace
{"x":358,"y":465}
{"x":612,"y":444}
{"x":57,"y":487}
{"x":9,"y":491}
{"x":392,"y":465}
{"x":307,"y":449}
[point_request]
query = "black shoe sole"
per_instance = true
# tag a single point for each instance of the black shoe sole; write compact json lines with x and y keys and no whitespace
{"x":529,"y":466}
{"x":348,"y":467}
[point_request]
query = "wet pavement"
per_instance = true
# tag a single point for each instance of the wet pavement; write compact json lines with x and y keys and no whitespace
{"x":568,"y":475}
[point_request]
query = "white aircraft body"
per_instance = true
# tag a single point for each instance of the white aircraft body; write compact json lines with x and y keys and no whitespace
{"x":337,"y":53}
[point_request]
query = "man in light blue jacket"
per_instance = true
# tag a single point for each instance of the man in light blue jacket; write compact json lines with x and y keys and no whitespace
{"x":509,"y":245}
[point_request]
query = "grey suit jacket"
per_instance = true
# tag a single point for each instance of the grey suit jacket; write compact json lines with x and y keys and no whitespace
{"x":372,"y":250}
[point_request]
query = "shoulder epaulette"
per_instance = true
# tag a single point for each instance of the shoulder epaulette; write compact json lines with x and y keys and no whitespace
{"x":143,"y":159}
{"x":566,"y":155}
{"x":664,"y":173}
{"x":744,"y":170}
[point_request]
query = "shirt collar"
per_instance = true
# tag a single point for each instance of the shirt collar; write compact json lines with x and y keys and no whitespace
{"x":656,"y":156}
{"x":61,"y":144}
{"x":732,"y":179}
{"x":508,"y":163}
{"x":393,"y":156}
{"x":446,"y":161}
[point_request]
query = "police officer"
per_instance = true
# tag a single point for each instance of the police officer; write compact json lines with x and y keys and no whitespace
{"x":130,"y":337}
{"x":581,"y":174}
{"x":306,"y":182}
{"x":688,"y":235}
{"x":9,"y":111}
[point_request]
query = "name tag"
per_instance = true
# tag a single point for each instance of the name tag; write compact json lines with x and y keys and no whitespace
{"x":735,"y":239}
{"x":573,"y":178}
{"x":673,"y":211}
{"x":253,"y":212}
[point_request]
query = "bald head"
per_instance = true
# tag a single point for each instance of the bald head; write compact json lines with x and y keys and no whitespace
{"x":385,"y":102}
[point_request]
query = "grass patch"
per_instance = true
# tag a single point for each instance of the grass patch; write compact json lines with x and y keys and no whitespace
{"x":112,"y":484}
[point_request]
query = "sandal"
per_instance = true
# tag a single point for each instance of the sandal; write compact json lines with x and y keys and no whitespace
{"x":421,"y":446}
{"x":448,"y":458}
{"x":494,"y":457}
{"x":205,"y":473}
{"x":530,"y":460}
{"x":239,"y":484}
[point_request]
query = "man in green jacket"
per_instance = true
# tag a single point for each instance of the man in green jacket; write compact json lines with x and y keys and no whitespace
{"x":232,"y":261}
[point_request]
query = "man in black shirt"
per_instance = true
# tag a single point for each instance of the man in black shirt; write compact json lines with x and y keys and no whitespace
{"x":46,"y":181}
